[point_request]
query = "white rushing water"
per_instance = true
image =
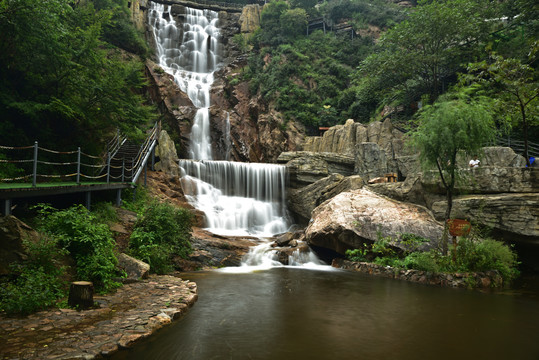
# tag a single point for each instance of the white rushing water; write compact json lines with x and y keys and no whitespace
{"x":191,"y":54}
{"x":237,"y":198}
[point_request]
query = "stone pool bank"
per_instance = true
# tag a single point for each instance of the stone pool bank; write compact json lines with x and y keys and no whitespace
{"x":132,"y":313}
{"x":483,"y":280}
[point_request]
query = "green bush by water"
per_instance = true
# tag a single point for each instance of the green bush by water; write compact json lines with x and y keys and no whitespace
{"x":472,"y":255}
{"x":160,"y":233}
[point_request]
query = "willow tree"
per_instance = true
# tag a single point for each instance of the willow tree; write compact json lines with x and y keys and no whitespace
{"x":448,"y":126}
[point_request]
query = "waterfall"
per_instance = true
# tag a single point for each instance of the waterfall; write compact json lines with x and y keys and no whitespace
{"x":190,"y":54}
{"x":236,"y":198}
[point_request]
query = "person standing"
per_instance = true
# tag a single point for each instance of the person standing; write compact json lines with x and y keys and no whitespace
{"x":474,"y":162}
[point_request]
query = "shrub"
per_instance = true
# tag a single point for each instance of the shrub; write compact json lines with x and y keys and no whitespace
{"x":358,"y":254}
{"x":87,"y":240}
{"x":38,"y":282}
{"x":472,"y":256}
{"x":486,"y":255}
{"x":161,"y":232}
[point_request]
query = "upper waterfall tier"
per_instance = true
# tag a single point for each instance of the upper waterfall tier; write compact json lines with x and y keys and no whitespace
{"x":190,"y":53}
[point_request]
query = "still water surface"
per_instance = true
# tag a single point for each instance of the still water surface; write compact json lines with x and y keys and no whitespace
{"x":292,"y":313}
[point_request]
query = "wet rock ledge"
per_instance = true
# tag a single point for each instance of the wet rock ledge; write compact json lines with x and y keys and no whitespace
{"x":131,"y":314}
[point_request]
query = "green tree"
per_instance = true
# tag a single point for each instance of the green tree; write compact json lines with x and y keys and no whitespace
{"x":270,"y":23}
{"x":515,"y":84}
{"x":293,"y":22}
{"x":60,"y":83}
{"x":447,"y":127}
{"x":419,"y":55}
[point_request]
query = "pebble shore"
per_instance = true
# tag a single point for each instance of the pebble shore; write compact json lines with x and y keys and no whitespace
{"x":132,"y":313}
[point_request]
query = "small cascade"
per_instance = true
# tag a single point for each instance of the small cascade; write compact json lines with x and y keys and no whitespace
{"x":237,"y":198}
{"x":265,"y":256}
{"x":228,"y":142}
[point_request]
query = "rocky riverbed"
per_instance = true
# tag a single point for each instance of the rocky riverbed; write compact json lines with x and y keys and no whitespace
{"x":121,"y":319}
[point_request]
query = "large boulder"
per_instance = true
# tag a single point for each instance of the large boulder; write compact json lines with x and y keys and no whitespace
{"x":511,"y":216}
{"x":168,"y":158}
{"x":134,"y":269}
{"x":352,"y":218}
{"x":304,"y":200}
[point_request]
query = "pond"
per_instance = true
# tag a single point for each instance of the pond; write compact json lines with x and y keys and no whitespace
{"x":324,"y":313}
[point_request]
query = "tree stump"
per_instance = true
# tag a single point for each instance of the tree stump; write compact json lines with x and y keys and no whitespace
{"x":81,"y":295}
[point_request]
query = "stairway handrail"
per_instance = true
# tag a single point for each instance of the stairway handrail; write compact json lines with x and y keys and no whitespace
{"x":145,"y":151}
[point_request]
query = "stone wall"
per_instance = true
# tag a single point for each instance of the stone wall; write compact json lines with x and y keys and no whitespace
{"x":487,"y":279}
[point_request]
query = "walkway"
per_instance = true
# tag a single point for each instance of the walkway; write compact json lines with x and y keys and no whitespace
{"x":122,"y":319}
{"x":69,"y":172}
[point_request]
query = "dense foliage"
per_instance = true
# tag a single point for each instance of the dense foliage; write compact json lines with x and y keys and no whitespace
{"x":36,"y":283}
{"x":63,"y":81}
{"x":162,"y":232}
{"x":88,"y":241}
{"x":323,"y":79}
{"x":472,"y":255}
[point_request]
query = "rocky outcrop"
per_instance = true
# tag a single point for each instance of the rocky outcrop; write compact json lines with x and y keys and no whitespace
{"x":516,"y":215}
{"x":13,"y":233}
{"x":306,"y":167}
{"x":498,"y":156}
{"x":250,"y":18}
{"x":487,"y":180}
{"x":352,"y":218}
{"x":175,"y":106}
{"x":376,"y":147}
{"x":138,"y":8}
{"x":246,"y":128}
{"x":301,"y":202}
{"x":166,"y":152}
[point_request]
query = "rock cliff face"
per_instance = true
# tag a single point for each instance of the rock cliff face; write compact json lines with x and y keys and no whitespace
{"x":501,"y":194}
{"x":243,"y":126}
{"x":377,"y":148}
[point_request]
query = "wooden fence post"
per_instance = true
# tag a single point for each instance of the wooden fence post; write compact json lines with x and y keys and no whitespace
{"x":78,"y":166}
{"x":34,"y":178}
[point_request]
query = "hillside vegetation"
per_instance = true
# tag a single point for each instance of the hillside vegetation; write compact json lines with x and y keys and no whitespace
{"x":66,"y":76}
{"x":423,"y":52}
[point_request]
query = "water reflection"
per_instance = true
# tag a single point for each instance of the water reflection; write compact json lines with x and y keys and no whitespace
{"x":287,"y":313}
